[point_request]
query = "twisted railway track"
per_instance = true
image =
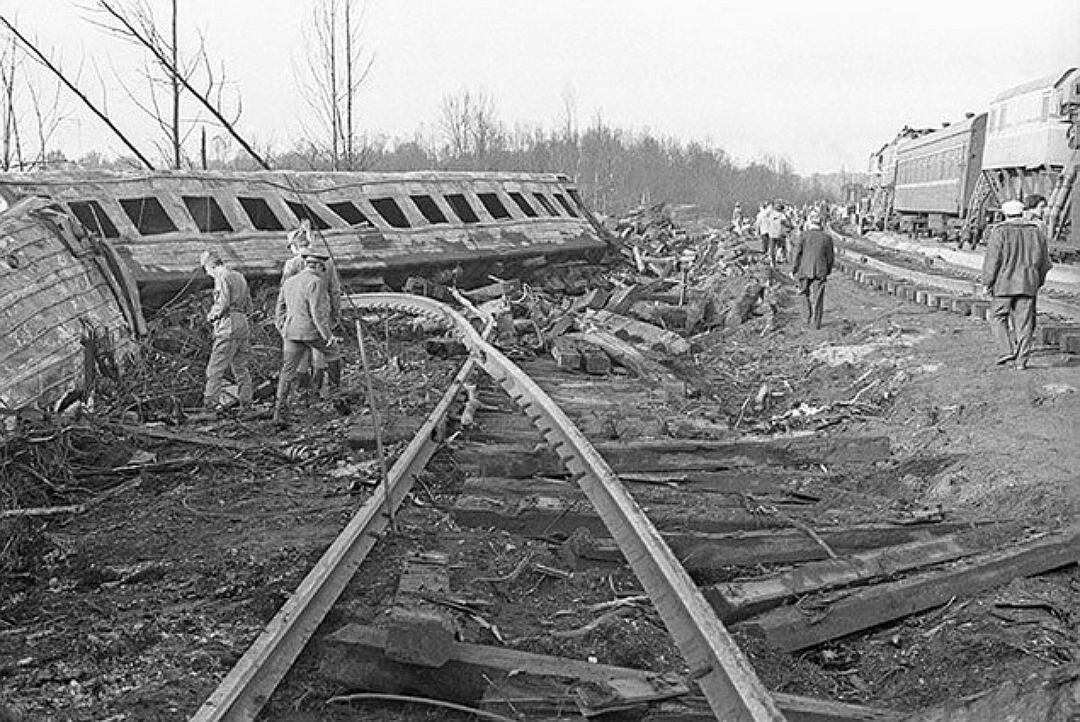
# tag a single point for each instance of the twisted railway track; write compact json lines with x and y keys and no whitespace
{"x":722,"y":672}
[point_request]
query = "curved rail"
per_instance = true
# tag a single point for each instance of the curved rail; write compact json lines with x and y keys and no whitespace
{"x":725,"y":676}
{"x":251,"y":681}
{"x":730,"y":685}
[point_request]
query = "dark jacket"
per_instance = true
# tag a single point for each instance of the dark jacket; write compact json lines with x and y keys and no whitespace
{"x":303,"y":308}
{"x":814,"y":254}
{"x":1017,"y":259}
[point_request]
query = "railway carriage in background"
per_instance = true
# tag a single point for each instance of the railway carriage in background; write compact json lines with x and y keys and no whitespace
{"x":952,"y":181}
{"x":936,"y":174}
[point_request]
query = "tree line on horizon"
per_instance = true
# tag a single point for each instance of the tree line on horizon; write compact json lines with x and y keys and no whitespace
{"x":615,"y":169}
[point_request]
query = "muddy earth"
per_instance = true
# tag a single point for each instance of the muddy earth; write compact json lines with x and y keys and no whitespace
{"x":136,"y":607}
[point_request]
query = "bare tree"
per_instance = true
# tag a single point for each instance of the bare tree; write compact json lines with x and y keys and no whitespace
{"x":167,"y":72}
{"x":337,"y":67}
{"x":471,"y":130}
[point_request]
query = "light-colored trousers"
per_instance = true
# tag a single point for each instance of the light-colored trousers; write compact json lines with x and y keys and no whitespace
{"x":230,"y":352}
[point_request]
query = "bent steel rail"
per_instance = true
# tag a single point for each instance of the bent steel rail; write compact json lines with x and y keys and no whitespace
{"x":725,"y":676}
{"x":249,"y":684}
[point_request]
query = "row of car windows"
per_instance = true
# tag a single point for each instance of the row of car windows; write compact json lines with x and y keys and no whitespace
{"x":150,"y":218}
{"x":943,"y":165}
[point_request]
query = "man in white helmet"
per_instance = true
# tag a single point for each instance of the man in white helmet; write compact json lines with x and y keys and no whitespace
{"x":232,"y":334}
{"x":1014,"y":269}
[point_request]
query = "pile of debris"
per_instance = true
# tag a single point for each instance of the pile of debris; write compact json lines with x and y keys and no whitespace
{"x":665,"y":287}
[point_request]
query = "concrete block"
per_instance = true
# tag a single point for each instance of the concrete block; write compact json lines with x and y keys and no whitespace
{"x":961,"y":306}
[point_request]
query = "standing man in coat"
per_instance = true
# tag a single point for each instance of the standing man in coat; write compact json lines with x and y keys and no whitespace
{"x":232,"y":334}
{"x":302,"y":317}
{"x":1014,"y":269}
{"x":811,"y":264}
{"x":322,"y":366}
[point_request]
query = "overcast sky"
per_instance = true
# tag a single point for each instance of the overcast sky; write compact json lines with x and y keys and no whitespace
{"x":821,"y":82}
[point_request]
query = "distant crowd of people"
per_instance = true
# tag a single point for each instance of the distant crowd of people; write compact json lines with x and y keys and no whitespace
{"x":1015,"y":264}
{"x":796,"y":235}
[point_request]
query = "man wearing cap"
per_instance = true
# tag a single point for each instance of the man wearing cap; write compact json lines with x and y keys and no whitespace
{"x":1014,"y":269}
{"x":302,"y":317}
{"x":314,"y":367}
{"x":811,"y":263}
{"x":232,"y":333}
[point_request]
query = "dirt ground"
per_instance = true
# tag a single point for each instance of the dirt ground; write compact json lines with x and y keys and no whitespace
{"x":136,"y":608}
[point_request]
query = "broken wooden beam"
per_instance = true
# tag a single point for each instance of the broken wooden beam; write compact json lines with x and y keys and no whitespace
{"x":790,"y":629}
{"x":354,"y":658}
{"x":544,"y":516}
{"x":631,"y":329}
{"x":735,"y":601}
{"x":418,"y":631}
{"x":667,"y":455}
{"x":699,"y":552}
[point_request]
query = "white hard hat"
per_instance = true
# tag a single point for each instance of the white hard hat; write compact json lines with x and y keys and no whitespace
{"x":1012,"y":208}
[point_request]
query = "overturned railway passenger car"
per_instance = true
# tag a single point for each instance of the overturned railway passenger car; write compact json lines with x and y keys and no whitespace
{"x":67,"y":308}
{"x":382,"y":226}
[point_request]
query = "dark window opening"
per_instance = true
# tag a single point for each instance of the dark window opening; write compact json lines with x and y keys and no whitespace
{"x":427,"y":207}
{"x":494,"y":206}
{"x":304,"y":212}
{"x":262,"y":218}
{"x":93,"y":217}
{"x":349,"y":213}
{"x":576,"y":197}
{"x":523,"y":204}
{"x":390,"y":211}
{"x":147,"y":215}
{"x":546,"y":204}
{"x":461,"y":207}
{"x":207,"y":214}
{"x":565,"y":204}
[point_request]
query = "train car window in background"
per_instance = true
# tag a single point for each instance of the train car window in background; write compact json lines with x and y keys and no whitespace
{"x":148,"y":216}
{"x":545,"y":204}
{"x":207,"y":214}
{"x":429,"y":209}
{"x":523,"y":204}
{"x":576,"y":197}
{"x":94,"y":217}
{"x":562,"y":202}
{"x":259,"y":213}
{"x":461,"y":207}
{"x":303,"y":212}
{"x":390,"y":211}
{"x":493,"y":205}
{"x":348,"y":212}
{"x":1045,"y":113}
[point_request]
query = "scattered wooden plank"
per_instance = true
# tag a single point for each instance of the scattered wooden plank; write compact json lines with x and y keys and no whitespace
{"x":631,"y":329}
{"x":624,"y":353}
{"x":667,"y":455}
{"x":789,"y":629}
{"x":361,"y":433}
{"x":735,"y":601}
{"x":544,"y":516}
{"x":417,"y":631}
{"x":353,"y":657}
{"x":699,"y":551}
{"x":42,"y":511}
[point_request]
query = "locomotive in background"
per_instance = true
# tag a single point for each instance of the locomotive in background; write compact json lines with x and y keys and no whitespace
{"x":950,"y":182}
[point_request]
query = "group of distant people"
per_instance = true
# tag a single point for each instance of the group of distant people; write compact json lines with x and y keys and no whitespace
{"x":790,"y":233}
{"x":1015,"y":264}
{"x":308,"y":309}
